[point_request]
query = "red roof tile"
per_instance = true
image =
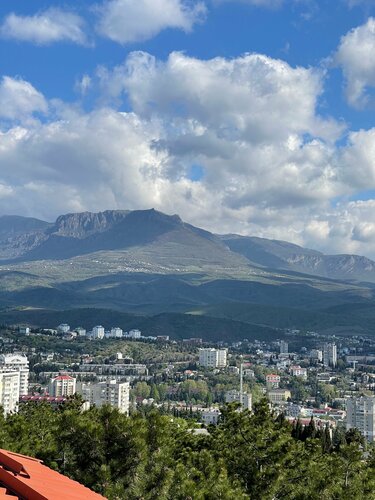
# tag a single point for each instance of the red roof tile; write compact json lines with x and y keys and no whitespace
{"x":28,"y":478}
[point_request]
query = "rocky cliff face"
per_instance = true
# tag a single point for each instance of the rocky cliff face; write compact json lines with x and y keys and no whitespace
{"x":82,"y":225}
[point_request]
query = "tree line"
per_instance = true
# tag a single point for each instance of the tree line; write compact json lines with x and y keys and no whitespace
{"x":151,"y":455}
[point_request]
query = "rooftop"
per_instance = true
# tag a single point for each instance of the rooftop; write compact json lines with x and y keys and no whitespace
{"x":27,"y":478}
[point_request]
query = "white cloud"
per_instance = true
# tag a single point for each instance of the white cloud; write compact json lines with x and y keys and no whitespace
{"x":126,"y":21}
{"x":19,"y":99}
{"x":355,"y":55}
{"x":50,"y":26}
{"x":253,"y":98}
{"x":270,"y":163}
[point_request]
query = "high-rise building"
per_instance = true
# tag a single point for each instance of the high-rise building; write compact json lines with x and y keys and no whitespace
{"x":360,"y":414}
{"x":111,"y":392}
{"x":62,"y":385}
{"x":63,"y":328}
{"x":316,"y":355}
{"x":81,"y":331}
{"x":330,"y":355}
{"x":135,"y":334}
{"x":116,"y":333}
{"x":98,"y":332}
{"x":213,"y":358}
{"x":284,"y":347}
{"x":9,"y":391}
{"x":18,"y":363}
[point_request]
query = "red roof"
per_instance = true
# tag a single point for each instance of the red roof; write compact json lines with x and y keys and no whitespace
{"x":63,"y":377}
{"x":27,"y":478}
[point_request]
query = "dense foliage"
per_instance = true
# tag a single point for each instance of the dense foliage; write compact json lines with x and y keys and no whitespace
{"x":149,"y":456}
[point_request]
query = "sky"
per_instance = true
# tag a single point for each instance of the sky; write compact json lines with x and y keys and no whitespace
{"x":242,"y":116}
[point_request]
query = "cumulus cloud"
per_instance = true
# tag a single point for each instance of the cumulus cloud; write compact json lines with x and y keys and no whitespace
{"x":50,"y":26}
{"x":126,"y":21}
{"x":19,"y":99}
{"x":355,"y":55}
{"x":253,"y":98}
{"x":270,"y":164}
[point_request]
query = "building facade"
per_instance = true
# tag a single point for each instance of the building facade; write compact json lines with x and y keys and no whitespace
{"x":330,"y":355}
{"x":111,"y":392}
{"x":17,"y":363}
{"x":213,"y":358}
{"x":235,"y":396}
{"x":284,"y":347}
{"x":273,"y":380}
{"x":62,"y":386}
{"x":9,"y":391}
{"x":98,"y":332}
{"x":360,"y":414}
{"x":278,"y":396}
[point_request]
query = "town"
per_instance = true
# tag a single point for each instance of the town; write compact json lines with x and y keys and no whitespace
{"x":303,"y":375}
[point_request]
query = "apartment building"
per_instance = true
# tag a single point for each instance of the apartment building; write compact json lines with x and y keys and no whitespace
{"x":18,"y":363}
{"x":213,"y":358}
{"x":360,"y":414}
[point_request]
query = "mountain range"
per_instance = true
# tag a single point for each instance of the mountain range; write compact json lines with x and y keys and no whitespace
{"x":146,"y":262}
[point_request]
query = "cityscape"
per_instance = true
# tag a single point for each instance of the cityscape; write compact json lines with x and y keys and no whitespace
{"x":331,"y":382}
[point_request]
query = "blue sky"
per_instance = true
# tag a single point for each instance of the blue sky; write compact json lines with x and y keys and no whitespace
{"x":254,"y":116}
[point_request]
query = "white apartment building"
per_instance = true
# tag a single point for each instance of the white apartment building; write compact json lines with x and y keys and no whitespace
{"x":18,"y":363}
{"x":98,"y":332}
{"x":63,"y":328}
{"x":213,"y":358}
{"x":211,"y":416}
{"x":135,"y":334}
{"x":297,"y":371}
{"x":360,"y":414}
{"x":234,"y":395}
{"x":284,"y":347}
{"x":316,"y":354}
{"x":9,"y":391}
{"x":62,"y":385}
{"x":116,"y":332}
{"x":111,"y":392}
{"x":330,"y":354}
{"x":80,"y":331}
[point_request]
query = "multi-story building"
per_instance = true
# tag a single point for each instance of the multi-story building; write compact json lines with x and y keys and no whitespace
{"x":330,"y":354}
{"x":211,"y":416}
{"x":284,"y":347}
{"x":80,"y":331}
{"x":18,"y":363}
{"x":213,"y":358}
{"x":62,"y":385}
{"x":134,"y":334}
{"x":272,"y":380}
{"x":360,"y":414}
{"x":63,"y":328}
{"x":116,"y":333}
{"x":278,"y":396}
{"x":297,"y":371}
{"x":9,"y":391}
{"x":234,"y":395}
{"x":120,"y":369}
{"x":111,"y":392}
{"x":98,"y":332}
{"x":316,"y":354}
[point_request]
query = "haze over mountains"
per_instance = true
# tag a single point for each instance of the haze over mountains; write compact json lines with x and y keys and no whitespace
{"x":146,"y":262}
